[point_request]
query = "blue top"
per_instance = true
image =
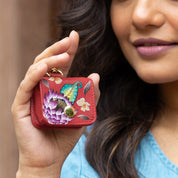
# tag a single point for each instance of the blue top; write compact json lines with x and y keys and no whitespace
{"x":150,"y":161}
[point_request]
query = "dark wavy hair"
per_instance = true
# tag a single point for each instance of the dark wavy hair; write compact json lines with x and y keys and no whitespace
{"x":127,"y":106}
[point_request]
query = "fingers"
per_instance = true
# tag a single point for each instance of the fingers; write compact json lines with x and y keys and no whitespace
{"x":95,"y":77}
{"x":74,"y":42}
{"x":57,"y":48}
{"x":68,"y":45}
{"x":33,"y":76}
{"x":59,"y":55}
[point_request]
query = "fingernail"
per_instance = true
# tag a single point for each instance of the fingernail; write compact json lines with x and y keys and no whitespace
{"x":72,"y":32}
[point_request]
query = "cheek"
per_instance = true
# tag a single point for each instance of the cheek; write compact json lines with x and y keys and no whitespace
{"x":119,"y":21}
{"x":171,"y":12}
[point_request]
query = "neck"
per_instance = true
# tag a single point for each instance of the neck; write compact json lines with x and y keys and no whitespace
{"x":168,"y":117}
{"x":165,"y":126}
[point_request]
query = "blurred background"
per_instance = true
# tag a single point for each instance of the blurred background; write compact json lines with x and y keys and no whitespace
{"x":26,"y":27}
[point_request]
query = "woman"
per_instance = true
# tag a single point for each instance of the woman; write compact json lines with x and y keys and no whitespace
{"x":132,"y":45}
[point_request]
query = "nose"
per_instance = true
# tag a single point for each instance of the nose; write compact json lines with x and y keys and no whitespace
{"x":147,"y":13}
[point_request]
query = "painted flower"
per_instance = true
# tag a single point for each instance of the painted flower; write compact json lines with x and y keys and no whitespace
{"x":84,"y":105}
{"x":53,"y":111}
{"x":57,"y":80}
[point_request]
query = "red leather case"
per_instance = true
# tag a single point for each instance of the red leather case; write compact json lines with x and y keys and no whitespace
{"x":59,"y":102}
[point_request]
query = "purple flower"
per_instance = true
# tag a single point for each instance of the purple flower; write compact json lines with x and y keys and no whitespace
{"x":52,"y":111}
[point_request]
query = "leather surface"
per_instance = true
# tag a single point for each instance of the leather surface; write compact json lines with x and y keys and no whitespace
{"x":59,"y":102}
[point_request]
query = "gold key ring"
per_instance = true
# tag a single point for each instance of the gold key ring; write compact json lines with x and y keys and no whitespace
{"x":54,"y":70}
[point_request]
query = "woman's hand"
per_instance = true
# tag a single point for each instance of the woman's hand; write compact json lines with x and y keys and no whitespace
{"x":42,"y":152}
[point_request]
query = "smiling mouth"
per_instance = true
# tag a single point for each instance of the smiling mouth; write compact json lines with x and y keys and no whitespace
{"x":151,"y":47}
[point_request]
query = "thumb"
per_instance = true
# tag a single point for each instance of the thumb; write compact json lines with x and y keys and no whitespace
{"x":96,"y":78}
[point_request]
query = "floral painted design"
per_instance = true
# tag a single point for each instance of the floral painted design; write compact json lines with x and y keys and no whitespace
{"x":54,"y":108}
{"x":71,"y":91}
{"x":84,"y":105}
{"x":57,"y":80}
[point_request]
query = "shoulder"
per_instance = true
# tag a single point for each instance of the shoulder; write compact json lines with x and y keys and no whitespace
{"x":76,"y":164}
{"x":151,"y":162}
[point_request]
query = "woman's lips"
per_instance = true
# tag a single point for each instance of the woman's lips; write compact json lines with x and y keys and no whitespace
{"x":149,"y":51}
{"x":151,"y":47}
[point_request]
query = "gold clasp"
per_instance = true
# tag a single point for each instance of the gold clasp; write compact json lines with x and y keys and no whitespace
{"x":54,"y":70}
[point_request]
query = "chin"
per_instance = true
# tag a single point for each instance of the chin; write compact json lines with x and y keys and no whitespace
{"x":155,"y":77}
{"x":150,"y":79}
